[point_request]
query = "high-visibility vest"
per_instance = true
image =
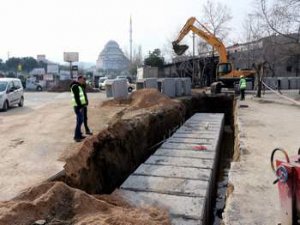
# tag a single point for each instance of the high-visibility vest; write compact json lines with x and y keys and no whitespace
{"x":243,"y":84}
{"x":81,"y":96}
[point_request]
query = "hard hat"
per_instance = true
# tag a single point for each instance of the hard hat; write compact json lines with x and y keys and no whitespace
{"x":241,"y":76}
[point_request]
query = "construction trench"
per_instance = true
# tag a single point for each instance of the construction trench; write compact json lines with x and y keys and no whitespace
{"x":104,"y":161}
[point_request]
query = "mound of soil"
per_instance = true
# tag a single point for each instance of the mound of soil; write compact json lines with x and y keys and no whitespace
{"x":144,"y":98}
{"x":57,"y":203}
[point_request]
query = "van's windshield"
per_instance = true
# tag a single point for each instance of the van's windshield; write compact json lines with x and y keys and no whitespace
{"x":3,"y":85}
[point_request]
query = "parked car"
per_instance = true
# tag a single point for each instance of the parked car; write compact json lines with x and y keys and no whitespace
{"x":11,"y":93}
{"x":122,"y":77}
{"x":33,"y":85}
{"x":130,"y":86}
{"x":102,"y":82}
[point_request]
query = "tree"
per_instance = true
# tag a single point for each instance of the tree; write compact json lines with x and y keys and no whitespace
{"x":154,"y":59}
{"x":216,"y":17}
{"x":27,"y":64}
{"x":272,"y":37}
{"x":283,"y":18}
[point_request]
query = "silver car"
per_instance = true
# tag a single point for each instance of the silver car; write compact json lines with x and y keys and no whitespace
{"x":11,"y":93}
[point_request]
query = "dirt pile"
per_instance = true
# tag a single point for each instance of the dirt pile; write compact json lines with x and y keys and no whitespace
{"x":56,"y":203}
{"x":144,"y":98}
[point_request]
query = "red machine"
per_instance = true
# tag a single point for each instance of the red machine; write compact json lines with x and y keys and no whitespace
{"x":288,"y":179}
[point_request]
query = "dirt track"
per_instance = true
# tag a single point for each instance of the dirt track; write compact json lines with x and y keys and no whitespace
{"x":35,"y":137}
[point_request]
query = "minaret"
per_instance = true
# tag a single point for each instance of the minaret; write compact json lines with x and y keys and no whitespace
{"x":130,"y":39}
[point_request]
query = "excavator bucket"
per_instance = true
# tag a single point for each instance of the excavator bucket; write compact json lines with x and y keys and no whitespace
{"x":179,"y":49}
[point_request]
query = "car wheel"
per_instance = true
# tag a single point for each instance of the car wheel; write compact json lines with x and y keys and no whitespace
{"x":21,"y":103}
{"x":130,"y":89}
{"x":5,"y":106}
{"x":39,"y":88}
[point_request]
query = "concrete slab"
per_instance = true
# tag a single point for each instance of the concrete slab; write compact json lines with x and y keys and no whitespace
{"x":201,"y":154}
{"x":202,"y":131}
{"x":173,"y":172}
{"x":201,"y":135}
{"x":181,"y":162}
{"x":165,"y":185}
{"x":180,"y":206}
{"x":186,"y":146}
{"x":191,"y":140}
{"x":178,"y":176}
{"x":183,"y":221}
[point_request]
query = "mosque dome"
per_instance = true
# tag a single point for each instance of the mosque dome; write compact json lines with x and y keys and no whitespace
{"x":112,"y":57}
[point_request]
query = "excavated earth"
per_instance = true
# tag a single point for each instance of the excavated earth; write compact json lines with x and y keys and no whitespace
{"x":81,"y":194}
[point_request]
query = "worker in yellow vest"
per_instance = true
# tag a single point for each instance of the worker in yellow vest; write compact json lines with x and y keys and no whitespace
{"x":79,"y":102}
{"x":85,"y":111}
{"x":243,"y":86}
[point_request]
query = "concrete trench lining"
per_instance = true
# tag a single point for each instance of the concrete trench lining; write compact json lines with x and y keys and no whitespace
{"x":105,"y":160}
{"x":185,"y":198}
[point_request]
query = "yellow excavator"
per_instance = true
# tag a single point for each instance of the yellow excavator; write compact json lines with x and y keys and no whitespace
{"x":226,"y":75}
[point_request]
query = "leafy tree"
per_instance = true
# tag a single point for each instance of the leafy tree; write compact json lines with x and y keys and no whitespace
{"x":154,"y":58}
{"x":12,"y":64}
{"x":2,"y":65}
{"x":28,"y":64}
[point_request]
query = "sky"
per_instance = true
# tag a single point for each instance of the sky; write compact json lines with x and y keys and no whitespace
{"x":51,"y":27}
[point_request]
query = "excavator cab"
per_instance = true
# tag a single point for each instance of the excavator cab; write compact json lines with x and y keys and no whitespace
{"x":223,"y":68}
{"x":179,"y":49}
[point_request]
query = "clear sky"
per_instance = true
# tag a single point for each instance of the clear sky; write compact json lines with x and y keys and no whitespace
{"x":31,"y":27}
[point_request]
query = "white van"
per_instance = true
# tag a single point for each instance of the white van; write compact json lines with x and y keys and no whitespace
{"x":11,"y":93}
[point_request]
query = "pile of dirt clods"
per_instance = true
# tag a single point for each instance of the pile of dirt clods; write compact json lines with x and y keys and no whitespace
{"x":55,"y":203}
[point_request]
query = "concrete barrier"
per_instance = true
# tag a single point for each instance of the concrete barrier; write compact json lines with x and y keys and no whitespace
{"x":120,"y":89}
{"x":168,"y":86}
{"x":179,"y":87}
{"x":271,"y":82}
{"x":150,"y":83}
{"x":283,"y":83}
{"x":293,"y":83}
{"x":116,"y":88}
{"x":298,"y":82}
{"x":187,"y":86}
{"x":109,"y":88}
{"x":249,"y":85}
{"x":140,"y":84}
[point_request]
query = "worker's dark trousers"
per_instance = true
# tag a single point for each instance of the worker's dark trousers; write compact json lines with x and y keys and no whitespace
{"x":85,"y":119}
{"x":242,"y":94}
{"x":79,"y":120}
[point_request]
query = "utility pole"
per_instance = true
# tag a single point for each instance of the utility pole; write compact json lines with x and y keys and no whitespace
{"x":193,"y":78}
{"x":130,"y":39}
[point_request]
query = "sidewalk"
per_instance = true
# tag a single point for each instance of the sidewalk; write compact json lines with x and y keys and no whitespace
{"x":264,"y":125}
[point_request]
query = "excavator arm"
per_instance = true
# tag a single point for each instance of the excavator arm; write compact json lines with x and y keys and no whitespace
{"x":202,"y":32}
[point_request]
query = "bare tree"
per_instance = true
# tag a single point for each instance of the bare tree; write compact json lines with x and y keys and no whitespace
{"x":216,"y":17}
{"x":283,"y":18}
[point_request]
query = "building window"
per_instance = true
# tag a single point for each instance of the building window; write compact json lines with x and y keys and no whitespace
{"x":289,"y":68}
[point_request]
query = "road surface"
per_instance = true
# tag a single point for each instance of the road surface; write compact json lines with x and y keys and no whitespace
{"x":34,"y":137}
